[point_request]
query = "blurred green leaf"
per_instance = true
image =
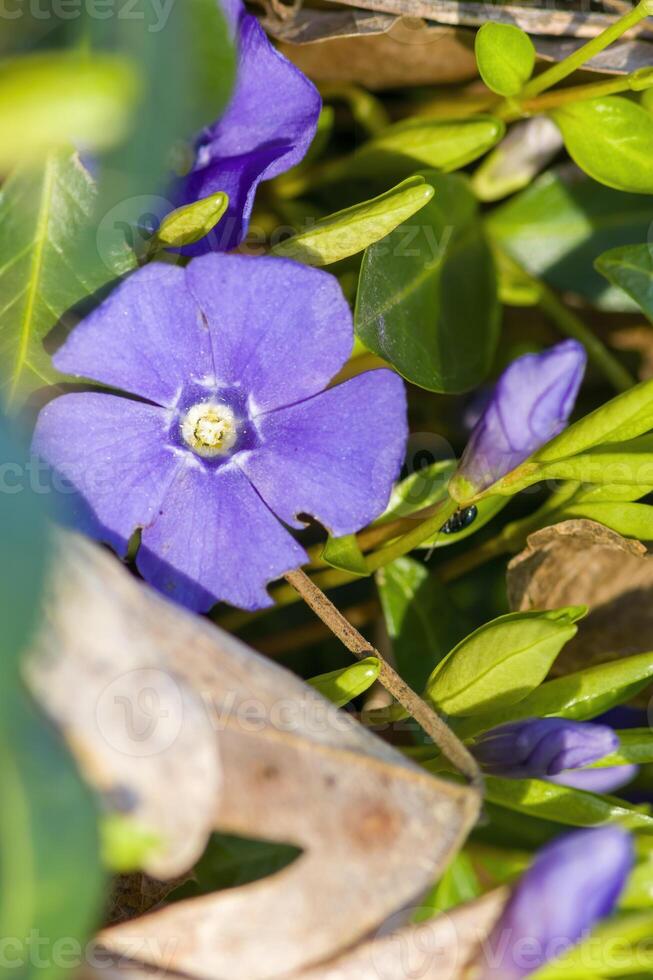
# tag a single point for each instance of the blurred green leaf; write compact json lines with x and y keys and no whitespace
{"x":502,"y":662}
{"x":611,"y":139}
{"x":418,"y":616}
{"x":125,"y":844}
{"x":630,"y":268}
{"x":189,"y":224}
{"x":579,"y":696}
{"x":342,"y":686}
{"x":350,"y":231}
{"x":45,"y":268}
{"x":400,"y":149}
{"x":557,"y":226}
{"x":229,"y":862}
{"x":573,"y":807}
{"x":620,"y":947}
{"x":458,"y":884}
{"x":427,"y":296}
{"x":505,"y":56}
{"x":50,"y":101}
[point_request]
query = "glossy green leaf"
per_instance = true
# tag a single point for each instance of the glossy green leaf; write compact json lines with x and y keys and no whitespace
{"x":557,"y":226}
{"x":189,"y":224}
{"x":49,"y":101}
{"x":611,"y":139}
{"x":46,"y":265}
{"x":342,"y":686}
{"x":502,"y":662}
{"x":419,"y":617}
{"x":630,"y":268}
{"x":443,"y":144}
{"x":580,"y":696}
{"x":350,"y":231}
{"x":505,"y":56}
{"x":427,"y":296}
{"x":628,"y":519}
{"x":562,"y":804}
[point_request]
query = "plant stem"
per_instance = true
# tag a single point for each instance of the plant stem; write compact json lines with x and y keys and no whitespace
{"x":422,"y":532}
{"x":574,"y":93}
{"x":576,"y":60}
{"x":573,"y":326}
{"x":440,"y":733}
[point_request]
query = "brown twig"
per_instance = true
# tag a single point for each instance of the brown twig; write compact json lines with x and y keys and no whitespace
{"x":440,"y":733}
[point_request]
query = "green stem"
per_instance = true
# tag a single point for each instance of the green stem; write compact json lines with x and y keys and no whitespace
{"x":588,"y":51}
{"x":424,"y":531}
{"x":574,"y":93}
{"x":572,"y":326}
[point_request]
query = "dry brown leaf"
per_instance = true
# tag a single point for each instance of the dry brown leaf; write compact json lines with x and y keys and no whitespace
{"x":375,"y":829}
{"x":580,"y":562}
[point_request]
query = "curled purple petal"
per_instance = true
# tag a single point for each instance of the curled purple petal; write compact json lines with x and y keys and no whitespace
{"x":539,"y":747}
{"x":266,"y":129}
{"x":572,"y":884}
{"x":530,"y":405}
{"x":603,"y":780}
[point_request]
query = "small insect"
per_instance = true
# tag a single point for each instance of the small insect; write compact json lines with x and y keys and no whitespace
{"x":460,"y":520}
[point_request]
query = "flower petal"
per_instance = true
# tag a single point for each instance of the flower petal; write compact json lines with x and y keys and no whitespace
{"x":266,"y":129}
{"x":113,"y":451}
{"x":529,"y":406}
{"x":147,"y":338}
{"x":603,"y":780}
{"x":280,"y":330}
{"x":334,"y":456}
{"x":215,"y":540}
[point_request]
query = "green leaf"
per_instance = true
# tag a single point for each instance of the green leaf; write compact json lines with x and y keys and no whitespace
{"x":418,"y":616}
{"x":630,"y":268}
{"x":502,"y":662}
{"x":187,"y":63}
{"x":611,"y":139}
{"x":45,"y":268}
{"x":49,"y":101}
{"x":427,"y":296}
{"x":54,"y":892}
{"x":443,"y":144}
{"x":350,"y":231}
{"x":562,"y":804}
{"x":635,"y":748}
{"x":630,"y":520}
{"x":458,"y":884}
{"x":125,"y":844}
{"x":620,"y":947}
{"x":622,"y":418}
{"x":345,"y":553}
{"x":580,"y":696}
{"x":230,"y":862}
{"x":602,"y":465}
{"x":189,"y":224}
{"x":557,"y":226}
{"x":505,"y":56}
{"x":342,"y":686}
{"x":426,"y":486}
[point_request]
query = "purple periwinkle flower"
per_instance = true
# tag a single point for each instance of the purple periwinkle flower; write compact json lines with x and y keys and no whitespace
{"x":572,"y":884}
{"x":602,"y":780}
{"x":531,"y":404}
{"x":266,"y":129}
{"x":227,"y":431}
{"x":541,"y":747}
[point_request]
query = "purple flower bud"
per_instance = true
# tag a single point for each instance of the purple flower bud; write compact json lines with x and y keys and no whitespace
{"x":540,"y":747}
{"x":572,"y":884}
{"x":531,"y":404}
{"x":606,"y":780}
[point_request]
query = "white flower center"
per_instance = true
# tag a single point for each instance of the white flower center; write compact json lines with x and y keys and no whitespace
{"x":209,"y":429}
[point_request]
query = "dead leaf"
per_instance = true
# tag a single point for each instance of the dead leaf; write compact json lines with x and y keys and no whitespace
{"x":375,"y":829}
{"x":581,"y":562}
{"x":640,"y":340}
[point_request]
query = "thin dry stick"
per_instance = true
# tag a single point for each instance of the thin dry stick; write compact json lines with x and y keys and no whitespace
{"x":448,"y":743}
